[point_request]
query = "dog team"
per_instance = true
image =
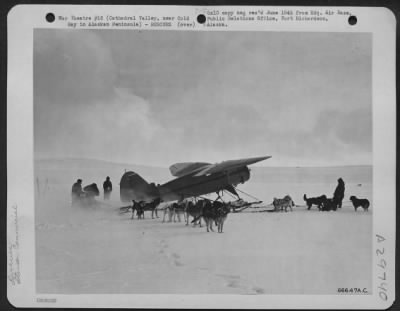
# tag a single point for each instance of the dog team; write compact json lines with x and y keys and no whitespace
{"x":332,"y":204}
{"x":325,"y":204}
{"x":212,"y":212}
{"x":322,"y":202}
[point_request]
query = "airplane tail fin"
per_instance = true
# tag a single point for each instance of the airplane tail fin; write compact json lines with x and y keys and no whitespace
{"x":134,"y":187}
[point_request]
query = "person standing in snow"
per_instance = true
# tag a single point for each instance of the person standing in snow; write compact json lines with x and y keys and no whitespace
{"x":76,"y":191}
{"x":107,"y":187}
{"x":338,"y":195}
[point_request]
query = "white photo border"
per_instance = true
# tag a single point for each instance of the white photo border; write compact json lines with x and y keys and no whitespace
{"x":21,"y":283}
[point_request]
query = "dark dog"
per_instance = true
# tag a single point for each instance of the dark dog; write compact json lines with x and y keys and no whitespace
{"x":364,"y":203}
{"x":140,"y":210}
{"x":329,"y":205}
{"x":195,"y":210}
{"x":209,"y":215}
{"x":214,"y":212}
{"x":318,"y":201}
{"x":152,"y":206}
{"x":222,"y":214}
{"x":138,"y":207}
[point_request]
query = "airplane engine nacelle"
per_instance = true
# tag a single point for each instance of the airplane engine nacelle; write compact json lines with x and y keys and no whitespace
{"x":239,"y":177}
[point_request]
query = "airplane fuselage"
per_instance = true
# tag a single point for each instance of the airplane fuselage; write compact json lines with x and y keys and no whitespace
{"x":193,"y":179}
{"x":192,"y":186}
{"x":133,"y":187}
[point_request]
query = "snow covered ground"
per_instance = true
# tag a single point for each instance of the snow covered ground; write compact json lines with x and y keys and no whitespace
{"x":97,"y":250}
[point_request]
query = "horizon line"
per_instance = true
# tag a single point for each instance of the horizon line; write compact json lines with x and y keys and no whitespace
{"x":157,"y":166}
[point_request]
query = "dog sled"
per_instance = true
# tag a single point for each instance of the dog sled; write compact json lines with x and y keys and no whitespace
{"x":240,"y":205}
{"x":86,"y":197}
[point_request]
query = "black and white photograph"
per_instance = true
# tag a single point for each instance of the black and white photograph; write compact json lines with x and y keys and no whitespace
{"x":216,"y":162}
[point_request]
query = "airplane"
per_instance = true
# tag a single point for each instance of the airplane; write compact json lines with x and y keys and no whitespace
{"x":193,"y":179}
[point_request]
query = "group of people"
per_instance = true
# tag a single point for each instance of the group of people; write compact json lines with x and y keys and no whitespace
{"x":78,"y":193}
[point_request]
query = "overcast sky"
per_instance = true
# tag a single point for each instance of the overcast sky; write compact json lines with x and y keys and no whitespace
{"x":162,"y":97}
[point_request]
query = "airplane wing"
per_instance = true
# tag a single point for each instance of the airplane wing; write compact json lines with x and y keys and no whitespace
{"x":181,"y":169}
{"x":228,"y":165}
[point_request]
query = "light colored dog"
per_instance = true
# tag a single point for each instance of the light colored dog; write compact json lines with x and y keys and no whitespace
{"x":285,"y":203}
{"x":174,"y":210}
{"x":178,"y":210}
{"x":168,"y":210}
